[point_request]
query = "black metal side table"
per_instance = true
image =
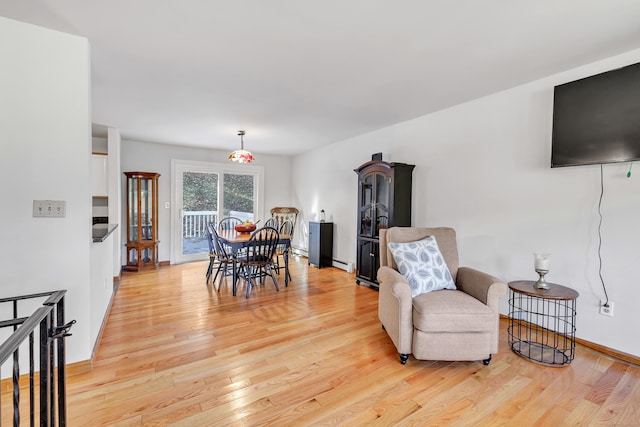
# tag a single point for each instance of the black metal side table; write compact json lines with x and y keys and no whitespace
{"x":542,"y":323}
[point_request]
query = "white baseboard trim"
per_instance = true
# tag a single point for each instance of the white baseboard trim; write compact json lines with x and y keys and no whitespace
{"x":343,"y":265}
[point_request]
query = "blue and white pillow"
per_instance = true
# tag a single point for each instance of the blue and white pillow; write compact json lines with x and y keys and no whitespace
{"x":422,"y":264}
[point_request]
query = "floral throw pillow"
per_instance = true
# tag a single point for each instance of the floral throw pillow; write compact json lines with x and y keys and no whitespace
{"x":422,"y":264}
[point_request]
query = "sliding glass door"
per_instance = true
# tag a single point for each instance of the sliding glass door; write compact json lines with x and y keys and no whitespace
{"x":199,"y":208}
{"x":203,"y":193}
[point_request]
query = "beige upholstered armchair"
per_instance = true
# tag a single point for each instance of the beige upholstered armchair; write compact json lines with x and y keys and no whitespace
{"x":450,"y":325}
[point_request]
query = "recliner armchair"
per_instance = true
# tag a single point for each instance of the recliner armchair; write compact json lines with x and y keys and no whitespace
{"x":449,"y":325}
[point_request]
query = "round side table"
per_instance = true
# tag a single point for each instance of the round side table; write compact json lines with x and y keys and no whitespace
{"x":542,"y":323}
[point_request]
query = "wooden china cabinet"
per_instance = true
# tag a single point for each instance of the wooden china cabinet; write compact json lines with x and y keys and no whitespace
{"x":142,"y":220}
{"x":384,"y":200}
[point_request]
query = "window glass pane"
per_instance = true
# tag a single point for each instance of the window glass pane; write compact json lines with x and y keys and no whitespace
{"x":238,"y":196}
{"x":200,"y":207}
{"x":199,"y":191}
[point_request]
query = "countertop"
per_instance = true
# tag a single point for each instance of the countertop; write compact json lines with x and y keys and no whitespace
{"x":100,"y":232}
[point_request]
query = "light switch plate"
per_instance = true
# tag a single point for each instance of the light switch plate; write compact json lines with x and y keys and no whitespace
{"x":49,"y":208}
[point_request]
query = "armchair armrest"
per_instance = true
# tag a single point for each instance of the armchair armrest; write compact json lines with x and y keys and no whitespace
{"x":482,"y":286}
{"x":392,"y":277}
{"x":395,"y":309}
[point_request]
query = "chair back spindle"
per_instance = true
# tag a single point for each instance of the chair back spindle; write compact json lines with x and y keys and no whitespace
{"x":229,"y":223}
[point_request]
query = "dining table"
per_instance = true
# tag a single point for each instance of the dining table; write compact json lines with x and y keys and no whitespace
{"x":237,"y":240}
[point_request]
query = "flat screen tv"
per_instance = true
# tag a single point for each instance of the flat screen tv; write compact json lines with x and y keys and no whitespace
{"x":597,"y":119}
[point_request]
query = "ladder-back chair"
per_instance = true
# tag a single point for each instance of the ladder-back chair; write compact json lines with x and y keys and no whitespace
{"x":282,"y":214}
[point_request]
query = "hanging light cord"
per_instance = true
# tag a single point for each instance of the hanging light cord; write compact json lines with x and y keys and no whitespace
{"x":606,"y":304}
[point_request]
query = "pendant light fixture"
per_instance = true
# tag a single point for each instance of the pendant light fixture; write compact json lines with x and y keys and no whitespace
{"x":241,"y":155}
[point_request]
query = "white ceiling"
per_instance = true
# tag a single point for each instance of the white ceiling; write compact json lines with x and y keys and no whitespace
{"x":296,"y":74}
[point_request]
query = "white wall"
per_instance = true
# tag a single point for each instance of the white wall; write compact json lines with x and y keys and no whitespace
{"x":150,"y":157}
{"x":45,"y":138}
{"x":101,"y":283}
{"x":483,"y":168}
{"x":115,"y":196}
{"x":325,"y":179}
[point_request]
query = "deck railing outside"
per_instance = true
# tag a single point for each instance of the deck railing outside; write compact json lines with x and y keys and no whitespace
{"x":48,"y":322}
{"x":194,"y":223}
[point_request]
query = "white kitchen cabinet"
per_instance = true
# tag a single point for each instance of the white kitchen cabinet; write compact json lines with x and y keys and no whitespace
{"x":100,"y":175}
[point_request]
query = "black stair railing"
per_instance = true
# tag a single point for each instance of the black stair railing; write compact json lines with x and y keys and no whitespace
{"x":48,"y":322}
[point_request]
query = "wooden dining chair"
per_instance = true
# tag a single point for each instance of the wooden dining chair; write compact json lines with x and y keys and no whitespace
{"x":257,"y":260}
{"x":213,"y":256}
{"x":285,"y":229}
{"x":281,"y":214}
{"x":223,"y":258}
{"x":229,"y":223}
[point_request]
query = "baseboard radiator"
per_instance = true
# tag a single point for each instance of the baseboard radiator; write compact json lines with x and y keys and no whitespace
{"x":343,"y":265}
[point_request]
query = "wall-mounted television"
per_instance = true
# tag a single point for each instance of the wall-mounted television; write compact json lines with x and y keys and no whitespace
{"x":597,"y":119}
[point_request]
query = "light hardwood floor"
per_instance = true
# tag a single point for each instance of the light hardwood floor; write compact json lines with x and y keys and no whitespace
{"x":176,"y":352}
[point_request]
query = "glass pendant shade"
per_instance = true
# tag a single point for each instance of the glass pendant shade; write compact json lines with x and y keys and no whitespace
{"x":241,"y":155}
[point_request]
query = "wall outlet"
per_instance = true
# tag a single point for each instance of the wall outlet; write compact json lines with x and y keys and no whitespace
{"x":606,"y":310}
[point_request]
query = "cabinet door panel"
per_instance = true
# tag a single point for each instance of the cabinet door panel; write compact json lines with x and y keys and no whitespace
{"x":146,"y":209}
{"x":383,"y":197}
{"x":368,"y":259}
{"x":382,"y":192}
{"x":132,"y":210}
{"x":367,"y":204}
{"x":366,"y":222}
{"x":99,"y":171}
{"x":314,"y":243}
{"x":321,"y":244}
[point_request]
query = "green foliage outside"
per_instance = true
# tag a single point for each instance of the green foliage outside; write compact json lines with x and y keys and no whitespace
{"x":200,"y":192}
{"x":238,"y":193}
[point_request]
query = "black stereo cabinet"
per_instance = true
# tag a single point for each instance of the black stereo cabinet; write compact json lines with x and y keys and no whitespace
{"x":321,"y":244}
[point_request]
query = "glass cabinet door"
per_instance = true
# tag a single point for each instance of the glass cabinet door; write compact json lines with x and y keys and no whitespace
{"x":142,"y":221}
{"x":132,"y":206}
{"x":146,"y":211}
{"x":367,"y":205}
{"x":375,"y":194}
{"x":382,"y":202}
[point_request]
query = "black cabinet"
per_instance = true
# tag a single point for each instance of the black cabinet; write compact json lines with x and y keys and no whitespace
{"x":384,"y":200}
{"x":321,"y":244}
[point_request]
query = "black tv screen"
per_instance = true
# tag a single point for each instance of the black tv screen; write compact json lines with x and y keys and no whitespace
{"x":597,"y":119}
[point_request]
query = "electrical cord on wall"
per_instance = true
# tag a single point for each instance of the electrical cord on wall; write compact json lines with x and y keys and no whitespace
{"x":606,"y":304}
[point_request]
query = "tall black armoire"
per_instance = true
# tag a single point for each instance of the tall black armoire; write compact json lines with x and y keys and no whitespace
{"x":384,"y":200}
